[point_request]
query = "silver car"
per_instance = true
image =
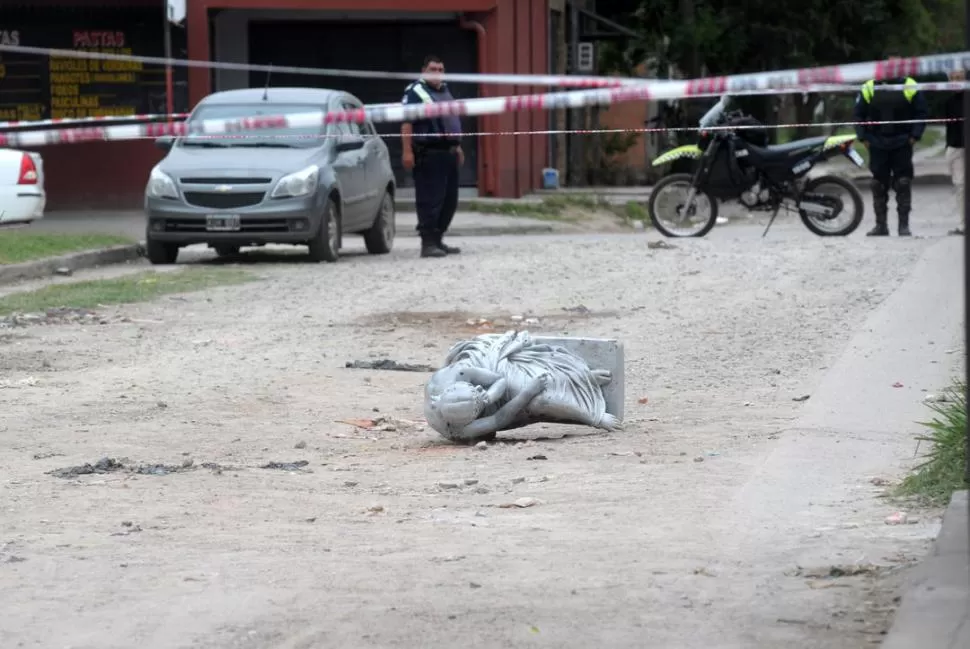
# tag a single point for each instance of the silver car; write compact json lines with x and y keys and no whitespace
{"x":304,"y":186}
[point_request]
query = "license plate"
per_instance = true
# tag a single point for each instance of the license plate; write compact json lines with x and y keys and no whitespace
{"x":856,"y":158}
{"x":222,"y":222}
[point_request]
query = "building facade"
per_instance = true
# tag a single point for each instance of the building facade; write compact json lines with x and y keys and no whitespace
{"x":508,"y":36}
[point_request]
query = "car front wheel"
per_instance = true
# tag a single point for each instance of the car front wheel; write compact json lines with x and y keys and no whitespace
{"x":159,"y":252}
{"x":325,"y":245}
{"x":380,"y":238}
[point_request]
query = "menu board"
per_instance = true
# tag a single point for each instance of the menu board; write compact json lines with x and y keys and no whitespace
{"x":41,"y":87}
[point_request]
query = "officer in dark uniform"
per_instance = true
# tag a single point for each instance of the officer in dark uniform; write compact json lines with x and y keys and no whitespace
{"x":891,"y":146}
{"x":432,"y":149}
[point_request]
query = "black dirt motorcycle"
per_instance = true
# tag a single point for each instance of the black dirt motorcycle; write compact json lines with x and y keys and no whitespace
{"x":737,"y":164}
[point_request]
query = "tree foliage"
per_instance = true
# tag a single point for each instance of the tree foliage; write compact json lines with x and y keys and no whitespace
{"x":735,"y":36}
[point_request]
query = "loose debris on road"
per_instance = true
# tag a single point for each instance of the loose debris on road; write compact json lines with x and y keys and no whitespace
{"x":299,"y":465}
{"x":112,"y":465}
{"x":388,"y":364}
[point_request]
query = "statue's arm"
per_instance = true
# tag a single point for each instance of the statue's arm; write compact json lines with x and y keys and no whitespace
{"x":496,"y":383}
{"x":507,"y":414}
{"x":479,"y":376}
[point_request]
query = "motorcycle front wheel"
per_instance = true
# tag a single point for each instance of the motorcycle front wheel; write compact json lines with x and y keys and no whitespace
{"x":670,"y":214}
{"x":831,"y":206}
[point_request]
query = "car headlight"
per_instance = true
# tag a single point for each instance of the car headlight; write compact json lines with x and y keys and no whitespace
{"x":300,"y":183}
{"x":161,"y":185}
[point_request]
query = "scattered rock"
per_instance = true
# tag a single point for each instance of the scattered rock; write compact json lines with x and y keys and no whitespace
{"x":699,"y":458}
{"x":482,"y":446}
{"x":522,"y":503}
{"x":643,"y":400}
{"x":25,"y":382}
{"x":470,"y":481}
{"x":537,"y":457}
{"x":54,"y":316}
{"x":448,"y":485}
{"x":300,"y":445}
{"x":350,"y":483}
{"x":63,"y":271}
{"x":804,"y":397}
{"x":518,"y":480}
{"x":660,"y":245}
{"x":897,"y":384}
{"x":44,"y":456}
{"x":472,"y":584}
{"x":375,"y":509}
{"x":579,"y":308}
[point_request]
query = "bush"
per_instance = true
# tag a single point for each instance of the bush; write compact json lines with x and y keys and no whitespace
{"x":943,"y":469}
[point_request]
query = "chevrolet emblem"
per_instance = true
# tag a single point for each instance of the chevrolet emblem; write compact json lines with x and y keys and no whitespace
{"x":223,"y":188}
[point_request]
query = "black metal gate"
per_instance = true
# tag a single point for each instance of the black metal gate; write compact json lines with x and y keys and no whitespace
{"x":369,"y":45}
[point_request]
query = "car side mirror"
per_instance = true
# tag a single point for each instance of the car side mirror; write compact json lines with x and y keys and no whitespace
{"x":349,"y":145}
{"x":165,"y":142}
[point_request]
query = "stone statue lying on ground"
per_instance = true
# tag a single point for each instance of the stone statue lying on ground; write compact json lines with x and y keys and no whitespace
{"x":498,"y":382}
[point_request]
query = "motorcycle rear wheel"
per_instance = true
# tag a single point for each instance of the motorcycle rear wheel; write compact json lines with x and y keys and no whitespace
{"x":855,"y":203}
{"x":658,"y":213}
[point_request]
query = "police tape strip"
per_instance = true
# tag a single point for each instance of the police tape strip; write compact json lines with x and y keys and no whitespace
{"x":589,"y":131}
{"x":63,"y":122}
{"x":949,"y":86}
{"x":804,"y":80}
{"x":912,"y":66}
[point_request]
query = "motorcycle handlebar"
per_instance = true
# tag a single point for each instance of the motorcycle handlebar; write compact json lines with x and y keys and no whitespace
{"x":712,"y":116}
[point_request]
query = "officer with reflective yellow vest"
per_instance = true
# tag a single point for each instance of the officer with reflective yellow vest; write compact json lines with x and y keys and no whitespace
{"x":891,"y":145}
{"x":432,"y":149}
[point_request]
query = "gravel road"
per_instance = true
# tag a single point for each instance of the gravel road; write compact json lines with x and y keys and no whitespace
{"x":390,"y":537}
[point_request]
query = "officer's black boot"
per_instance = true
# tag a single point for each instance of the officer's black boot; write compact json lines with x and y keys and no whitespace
{"x":449,"y":250}
{"x":880,"y":204}
{"x":430,"y":248}
{"x":904,"y":204}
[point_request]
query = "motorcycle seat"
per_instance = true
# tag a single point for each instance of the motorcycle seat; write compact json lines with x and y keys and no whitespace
{"x":785,"y":150}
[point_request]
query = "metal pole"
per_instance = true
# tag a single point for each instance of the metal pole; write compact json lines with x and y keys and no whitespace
{"x":572,"y":115}
{"x":966,"y":249}
{"x":169,"y":85}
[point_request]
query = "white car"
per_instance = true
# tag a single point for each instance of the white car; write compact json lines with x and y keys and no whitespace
{"x":22,"y":197}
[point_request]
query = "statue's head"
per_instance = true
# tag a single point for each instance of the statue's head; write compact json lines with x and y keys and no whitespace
{"x":461,"y":403}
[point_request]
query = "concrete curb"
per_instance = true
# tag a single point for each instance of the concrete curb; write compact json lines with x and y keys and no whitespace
{"x":42,"y":268}
{"x":935,"y":612}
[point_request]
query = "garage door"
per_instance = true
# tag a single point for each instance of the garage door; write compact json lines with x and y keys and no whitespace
{"x":371,"y":45}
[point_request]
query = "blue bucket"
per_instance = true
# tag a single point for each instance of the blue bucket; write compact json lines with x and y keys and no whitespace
{"x":550,"y":179}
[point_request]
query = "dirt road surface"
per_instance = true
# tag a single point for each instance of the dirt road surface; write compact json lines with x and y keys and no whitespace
{"x":389,"y":536}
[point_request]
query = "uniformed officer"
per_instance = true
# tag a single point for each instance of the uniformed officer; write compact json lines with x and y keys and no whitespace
{"x":891,"y":146}
{"x":432,"y":149}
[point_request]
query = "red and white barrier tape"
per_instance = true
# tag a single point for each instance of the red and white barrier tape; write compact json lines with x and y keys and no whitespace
{"x":949,"y":86}
{"x":804,"y":80}
{"x":591,"y":131}
{"x":912,"y":66}
{"x":71,"y":121}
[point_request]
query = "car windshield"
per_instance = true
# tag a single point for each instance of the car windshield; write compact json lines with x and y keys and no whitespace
{"x":289,"y":138}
